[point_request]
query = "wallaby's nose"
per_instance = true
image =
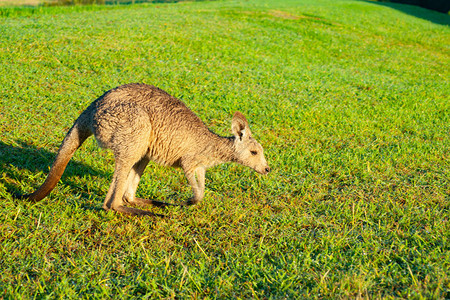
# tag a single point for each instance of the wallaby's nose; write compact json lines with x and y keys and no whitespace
{"x":267,"y":169}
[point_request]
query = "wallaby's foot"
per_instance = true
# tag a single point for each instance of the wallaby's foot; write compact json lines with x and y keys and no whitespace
{"x":145,"y":202}
{"x":135,"y":212}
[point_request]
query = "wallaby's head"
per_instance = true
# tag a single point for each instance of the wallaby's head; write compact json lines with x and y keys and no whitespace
{"x":248,"y":151}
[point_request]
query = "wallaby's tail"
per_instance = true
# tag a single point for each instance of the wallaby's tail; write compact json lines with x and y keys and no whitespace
{"x":79,"y":132}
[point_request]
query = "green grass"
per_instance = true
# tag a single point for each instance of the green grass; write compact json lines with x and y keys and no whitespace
{"x":349,"y":98}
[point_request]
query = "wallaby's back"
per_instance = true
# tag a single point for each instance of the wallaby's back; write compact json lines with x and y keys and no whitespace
{"x":174,"y":128}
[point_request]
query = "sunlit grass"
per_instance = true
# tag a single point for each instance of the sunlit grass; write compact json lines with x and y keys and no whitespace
{"x":349,"y":99}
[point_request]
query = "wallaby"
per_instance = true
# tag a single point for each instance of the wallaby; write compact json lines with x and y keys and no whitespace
{"x":139,"y":123}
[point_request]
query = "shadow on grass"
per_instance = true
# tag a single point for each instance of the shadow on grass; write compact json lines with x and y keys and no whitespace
{"x":418,"y":12}
{"x":14,"y":160}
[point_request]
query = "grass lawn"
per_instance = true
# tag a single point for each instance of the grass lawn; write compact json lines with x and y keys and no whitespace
{"x":349,"y":98}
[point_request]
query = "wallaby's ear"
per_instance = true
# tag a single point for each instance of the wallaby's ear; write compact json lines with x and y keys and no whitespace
{"x":239,"y":126}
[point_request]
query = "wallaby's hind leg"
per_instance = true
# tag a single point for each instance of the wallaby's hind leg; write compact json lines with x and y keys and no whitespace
{"x":133,"y":181}
{"x":125,"y":130}
{"x":114,"y":198}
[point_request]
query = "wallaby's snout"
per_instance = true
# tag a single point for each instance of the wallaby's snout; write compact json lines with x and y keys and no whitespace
{"x":263,"y":168}
{"x":248,"y":151}
{"x":266,"y":170}
{"x":258,"y":161}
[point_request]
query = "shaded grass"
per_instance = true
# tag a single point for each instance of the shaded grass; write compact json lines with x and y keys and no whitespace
{"x":350,"y":101}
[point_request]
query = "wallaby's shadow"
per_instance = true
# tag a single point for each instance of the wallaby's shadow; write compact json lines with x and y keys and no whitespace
{"x":418,"y":12}
{"x":13,"y":160}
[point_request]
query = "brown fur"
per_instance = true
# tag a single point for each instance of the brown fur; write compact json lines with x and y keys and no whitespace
{"x":140,"y":123}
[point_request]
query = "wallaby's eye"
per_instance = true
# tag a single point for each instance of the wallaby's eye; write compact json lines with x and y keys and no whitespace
{"x":253,"y":152}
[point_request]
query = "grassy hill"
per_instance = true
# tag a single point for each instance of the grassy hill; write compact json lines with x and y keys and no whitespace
{"x":349,"y":98}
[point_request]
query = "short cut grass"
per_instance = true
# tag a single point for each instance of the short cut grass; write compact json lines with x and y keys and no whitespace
{"x":349,"y":98}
